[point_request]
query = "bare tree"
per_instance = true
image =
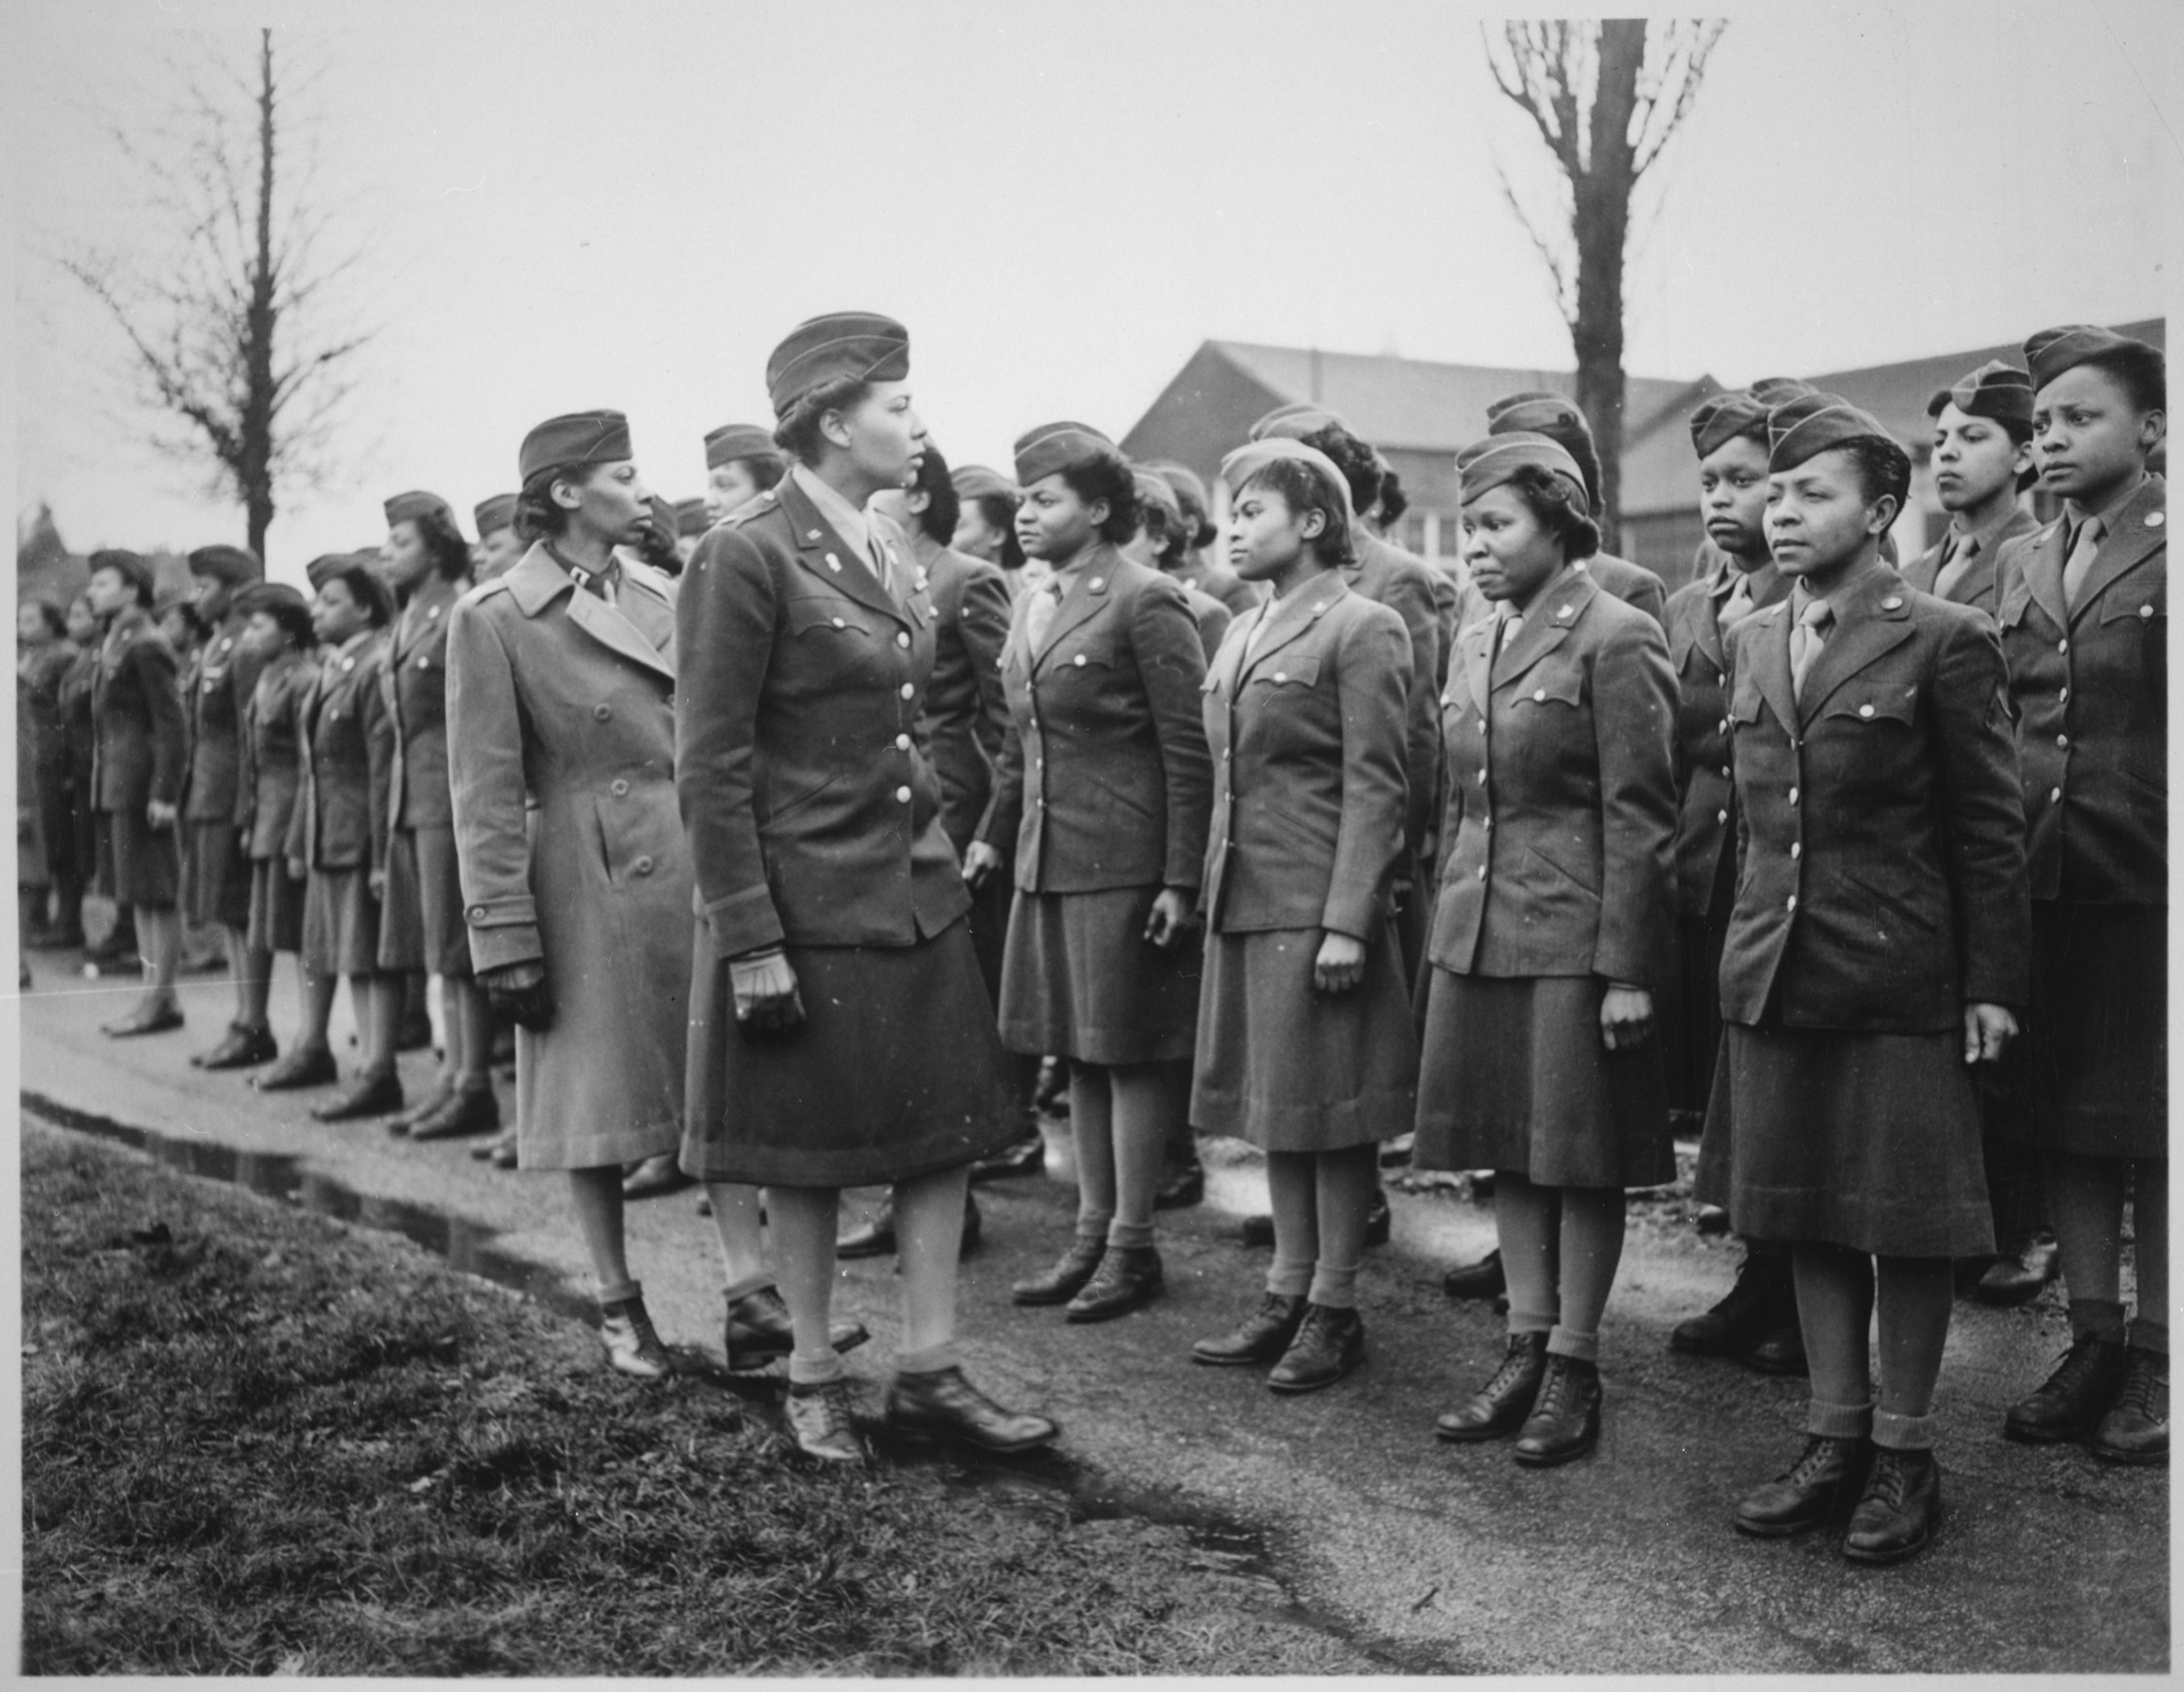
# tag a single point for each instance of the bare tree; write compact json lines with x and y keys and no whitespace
{"x":1607,"y":97}
{"x":223,"y":326}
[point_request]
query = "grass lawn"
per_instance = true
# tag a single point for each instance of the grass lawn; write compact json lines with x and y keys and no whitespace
{"x":257,"y":1440}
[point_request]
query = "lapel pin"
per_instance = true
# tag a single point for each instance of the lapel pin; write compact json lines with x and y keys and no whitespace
{"x":432,"y":614}
{"x":812,"y":536}
{"x":348,"y":664}
{"x":1097,"y":584}
{"x":833,"y":563}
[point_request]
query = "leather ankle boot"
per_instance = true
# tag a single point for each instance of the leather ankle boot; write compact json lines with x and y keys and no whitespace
{"x":1483,"y":1279}
{"x":1499,"y":1408}
{"x":2073,"y":1399}
{"x":1067,"y":1278}
{"x":633,"y":1345}
{"x":1900,"y":1510}
{"x":1261,"y":1338}
{"x":1128,"y":1275}
{"x":1565,"y":1420}
{"x":1328,"y":1346}
{"x":942,"y":1404}
{"x":1744,"y":1316}
{"x":2017,"y":1276}
{"x":1820,"y":1487}
{"x":2136,"y":1429}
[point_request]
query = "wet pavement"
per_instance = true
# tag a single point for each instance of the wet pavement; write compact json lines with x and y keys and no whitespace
{"x":1339,"y":1508}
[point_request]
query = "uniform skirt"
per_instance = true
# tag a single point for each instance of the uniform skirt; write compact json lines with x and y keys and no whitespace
{"x":1290,"y":1068}
{"x":1865,"y":1140}
{"x":142,"y":864}
{"x":894,"y":1072}
{"x":421,"y":925}
{"x":341,"y":923}
{"x":216,"y":876}
{"x":1514,"y":1078}
{"x":2091,"y":1075}
{"x":1081,"y":980}
{"x":276,"y":907}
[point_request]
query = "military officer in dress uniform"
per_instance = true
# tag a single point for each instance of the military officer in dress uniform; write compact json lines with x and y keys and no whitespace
{"x":742,"y":461}
{"x":216,"y":864}
{"x":1982,"y":446}
{"x":1554,"y":416}
{"x":427,"y":564}
{"x":1102,"y":791}
{"x":498,"y":546}
{"x":1876,"y":951}
{"x":140,"y":760}
{"x":848,"y":1036}
{"x":1757,"y":1320}
{"x":1551,"y":932}
{"x":2084,"y":608}
{"x":1982,"y":459}
{"x":279,"y":633}
{"x":336,"y":842}
{"x":965,"y":719}
{"x":1197,"y":566}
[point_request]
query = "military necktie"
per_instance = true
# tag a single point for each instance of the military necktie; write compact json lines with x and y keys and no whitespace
{"x":2079,"y":564}
{"x":1806,"y":640}
{"x":1737,"y":606}
{"x":1512,"y":624}
{"x":1039,"y":614}
{"x":1954,"y":564}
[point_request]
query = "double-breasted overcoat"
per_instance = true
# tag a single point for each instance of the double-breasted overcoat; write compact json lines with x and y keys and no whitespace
{"x":561,"y":766}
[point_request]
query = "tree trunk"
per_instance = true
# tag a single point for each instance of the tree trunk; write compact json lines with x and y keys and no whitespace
{"x":1602,"y":227}
{"x":255,"y":472}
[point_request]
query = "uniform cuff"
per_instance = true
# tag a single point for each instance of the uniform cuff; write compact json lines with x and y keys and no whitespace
{"x":498,"y":948}
{"x":744,"y":921}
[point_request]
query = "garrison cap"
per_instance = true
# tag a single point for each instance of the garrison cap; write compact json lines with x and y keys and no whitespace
{"x":2054,"y":351}
{"x":1298,"y":419}
{"x":843,"y":345}
{"x":573,"y":440}
{"x":138,"y":568}
{"x":1052,"y":446}
{"x":279,"y":601}
{"x":233,"y":566}
{"x":1772,"y":391}
{"x":1996,"y":390}
{"x":1718,"y":421}
{"x":1537,"y":412}
{"x":1241,"y":464}
{"x":975,"y":481}
{"x":360,"y":571}
{"x":496,"y":513}
{"x":733,"y":440}
{"x":1190,"y":493}
{"x":1485,"y":465}
{"x":690,"y":518}
{"x":1814,"y":422}
{"x":407,"y":508}
{"x":1153,"y":489}
{"x":327,"y":565}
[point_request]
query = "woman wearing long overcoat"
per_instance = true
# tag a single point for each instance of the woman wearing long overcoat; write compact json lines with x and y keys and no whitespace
{"x":862,"y":1050}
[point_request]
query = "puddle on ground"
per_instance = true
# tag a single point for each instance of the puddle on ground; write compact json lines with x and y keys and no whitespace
{"x":466,"y":1245}
{"x":1040,"y":1480}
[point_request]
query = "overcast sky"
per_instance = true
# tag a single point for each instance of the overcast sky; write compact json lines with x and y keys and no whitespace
{"x":567,"y":205}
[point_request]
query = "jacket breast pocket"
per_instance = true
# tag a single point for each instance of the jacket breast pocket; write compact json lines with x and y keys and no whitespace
{"x":1562,"y":686}
{"x":1295,"y":672}
{"x":2130,"y":603}
{"x":829,"y":637}
{"x":1879,"y":704}
{"x":2016,"y":599}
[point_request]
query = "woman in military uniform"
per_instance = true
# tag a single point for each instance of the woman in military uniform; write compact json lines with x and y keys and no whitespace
{"x":1305,"y":1043}
{"x":1877,"y":939}
{"x":1104,"y":788}
{"x":742,"y":461}
{"x":1551,"y":933}
{"x":862,"y":1050}
{"x":337,"y":842}
{"x":2084,"y":608}
{"x":44,"y":656}
{"x":141,"y":749}
{"x":422,"y":926}
{"x":78,"y":684}
{"x":215,"y":868}
{"x":1757,"y":1320}
{"x":277,"y":629}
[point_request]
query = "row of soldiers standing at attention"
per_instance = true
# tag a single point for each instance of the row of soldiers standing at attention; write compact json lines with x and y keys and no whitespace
{"x":1864,"y":868}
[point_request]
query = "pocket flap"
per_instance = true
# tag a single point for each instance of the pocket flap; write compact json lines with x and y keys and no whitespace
{"x":1875,"y":704}
{"x":2133,"y":601}
{"x":1286,"y":671}
{"x":813,"y":612}
{"x":1546,"y":685}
